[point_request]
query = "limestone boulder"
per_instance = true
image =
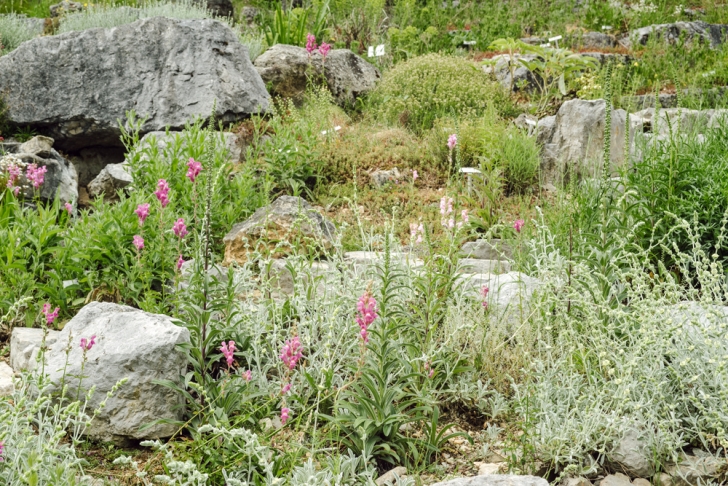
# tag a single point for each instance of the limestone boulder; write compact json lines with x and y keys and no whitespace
{"x":287,"y":70}
{"x":7,"y":385}
{"x":129,"y":344}
{"x":77,"y":86}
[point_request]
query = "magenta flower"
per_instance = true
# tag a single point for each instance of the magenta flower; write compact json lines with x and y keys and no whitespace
{"x":14,"y":173}
{"x":50,"y":316}
{"x":452,"y":141}
{"x":429,"y":369}
{"x":248,"y":375}
{"x":138,"y":242}
{"x":484,"y":292}
{"x":415,"y":175}
{"x":2,"y":450}
{"x":284,"y":415}
{"x":193,"y":169}
{"x":179,"y":228}
{"x":324,"y":49}
{"x":310,"y":43}
{"x":36,"y":175}
{"x":162,"y":192}
{"x":446,"y":205}
{"x":228,"y":351}
{"x":518,"y":224}
{"x":86,"y":345}
{"x":367,"y":309}
{"x":180,"y":262}
{"x":69,"y":208}
{"x":291,"y":352}
{"x":142,"y":212}
{"x":286,"y":388}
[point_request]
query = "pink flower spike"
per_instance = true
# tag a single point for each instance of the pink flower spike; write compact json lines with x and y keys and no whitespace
{"x":36,"y":175}
{"x":142,"y":212}
{"x":2,"y":450}
{"x":228,"y":351}
{"x":162,"y":192}
{"x":286,"y":388}
{"x":324,"y":49}
{"x":193,"y":169}
{"x":69,"y":208}
{"x":180,"y":229}
{"x":248,"y":375}
{"x":284,"y":415}
{"x":138,"y":242}
{"x":415,"y":175}
{"x":464,"y":215}
{"x":452,"y":141}
{"x":367,"y":310}
{"x":310,"y":43}
{"x":291,"y":352}
{"x":50,"y":316}
{"x":180,"y":262}
{"x":518,"y":224}
{"x":86,"y":345}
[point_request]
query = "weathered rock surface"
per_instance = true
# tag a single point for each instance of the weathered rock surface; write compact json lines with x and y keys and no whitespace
{"x":287,"y":69}
{"x":510,"y":292}
{"x":616,"y":480}
{"x":494,"y":249}
{"x":90,"y":161}
{"x":695,"y":471}
{"x":580,"y":481}
{"x":25,"y":344}
{"x":380,"y":178}
{"x":131,"y":344}
{"x":511,"y":73}
{"x":112,"y":179}
{"x":76,"y":86}
{"x":64,"y":8}
{"x":481,"y":266}
{"x":712,"y":34}
{"x":7,"y":387}
{"x":284,"y":274}
{"x":596,"y":40}
{"x":632,"y":456}
{"x":289,"y":223}
{"x":496,"y":480}
{"x":576,"y":146}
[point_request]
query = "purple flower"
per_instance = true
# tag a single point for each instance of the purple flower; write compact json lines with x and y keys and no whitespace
{"x":284,"y":415}
{"x":286,"y":388}
{"x":291,"y":352}
{"x":36,"y":175}
{"x":50,"y":316}
{"x":142,"y":212}
{"x":69,"y":208}
{"x":180,"y":262}
{"x":248,"y":375}
{"x":86,"y":345}
{"x":138,"y":242}
{"x":324,"y":49}
{"x":179,"y":228}
{"x":429,"y":369}
{"x":452,"y":141}
{"x":162,"y":192}
{"x":310,"y":43}
{"x":193,"y":169}
{"x":367,"y":309}
{"x":518,"y":224}
{"x":228,"y":351}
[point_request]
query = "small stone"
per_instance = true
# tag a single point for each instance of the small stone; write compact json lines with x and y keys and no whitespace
{"x":380,"y":178}
{"x":618,"y":479}
{"x":641,"y":482}
{"x":65,"y":8}
{"x":489,"y":468}
{"x":496,"y":480}
{"x":664,"y":479}
{"x":39,"y":145}
{"x":576,"y":482}
{"x":25,"y":343}
{"x":391,"y":476}
{"x":632,"y":455}
{"x":7,"y":386}
{"x":113,"y":178}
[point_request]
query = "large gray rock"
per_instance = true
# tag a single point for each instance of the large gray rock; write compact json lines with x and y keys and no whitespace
{"x":511,"y":73}
{"x":711,"y":34}
{"x":494,"y":249}
{"x":287,"y":225}
{"x":597,"y":40}
{"x":496,"y":480}
{"x":25,"y":344}
{"x":113,"y":178}
{"x":632,"y":456}
{"x":131,"y":344}
{"x":576,"y":146}
{"x":289,"y":68}
{"x":76,"y":86}
{"x":285,"y":275}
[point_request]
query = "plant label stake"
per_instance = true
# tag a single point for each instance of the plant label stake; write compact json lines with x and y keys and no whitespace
{"x":469,"y":171}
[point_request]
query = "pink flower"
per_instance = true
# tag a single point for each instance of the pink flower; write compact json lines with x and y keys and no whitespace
{"x":228,"y":351}
{"x":464,"y":215}
{"x":446,"y":205}
{"x":310,"y":43}
{"x":284,"y":415}
{"x":193,"y":169}
{"x":248,"y":375}
{"x":36,"y":175}
{"x":415,"y":175}
{"x":367,"y":309}
{"x":518,"y":224}
{"x":291,"y":352}
{"x":69,"y":208}
{"x":50,"y":316}
{"x":87,"y":345}
{"x":142,"y":212}
{"x":429,"y":369}
{"x":162,"y":192}
{"x":14,"y":173}
{"x":138,"y":242}
{"x":180,"y":262}
{"x":179,"y":228}
{"x":324,"y":49}
{"x":286,"y":388}
{"x":452,"y":141}
{"x":413,"y":230}
{"x":484,"y":292}
{"x":451,"y":223}
{"x":2,"y":447}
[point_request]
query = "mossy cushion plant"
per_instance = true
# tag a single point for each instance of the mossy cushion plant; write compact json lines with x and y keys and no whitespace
{"x":417,"y":92}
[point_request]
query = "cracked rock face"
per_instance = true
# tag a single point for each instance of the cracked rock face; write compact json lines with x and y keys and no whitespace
{"x":75,"y":87}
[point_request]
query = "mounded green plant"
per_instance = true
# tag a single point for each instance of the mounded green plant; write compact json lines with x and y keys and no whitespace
{"x":14,"y":30}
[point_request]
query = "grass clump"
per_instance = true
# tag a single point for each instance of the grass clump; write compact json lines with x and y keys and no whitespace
{"x":417,"y":92}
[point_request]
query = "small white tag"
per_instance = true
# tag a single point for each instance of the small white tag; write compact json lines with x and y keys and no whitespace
{"x":531,"y":122}
{"x":554,"y":39}
{"x":606,"y":27}
{"x":546,"y":45}
{"x":380,"y":50}
{"x":371,"y":51}
{"x":469,"y":43}
{"x":469,"y":170}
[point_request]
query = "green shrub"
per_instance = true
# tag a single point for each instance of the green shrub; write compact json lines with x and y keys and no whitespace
{"x":14,"y":30}
{"x":417,"y":92}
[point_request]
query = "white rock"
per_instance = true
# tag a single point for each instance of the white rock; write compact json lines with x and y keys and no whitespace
{"x":616,"y":480}
{"x":131,"y":344}
{"x":6,"y":380}
{"x":319,"y":275}
{"x":390,"y":477}
{"x":695,"y":471}
{"x":25,"y":344}
{"x":489,"y":468}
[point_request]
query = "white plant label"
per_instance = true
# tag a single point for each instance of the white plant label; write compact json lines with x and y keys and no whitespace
{"x":469,"y":43}
{"x":554,"y":39}
{"x":379,"y":50}
{"x":606,"y":27}
{"x":371,"y":51}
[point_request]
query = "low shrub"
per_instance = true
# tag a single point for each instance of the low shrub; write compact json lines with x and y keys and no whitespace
{"x":16,"y":29}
